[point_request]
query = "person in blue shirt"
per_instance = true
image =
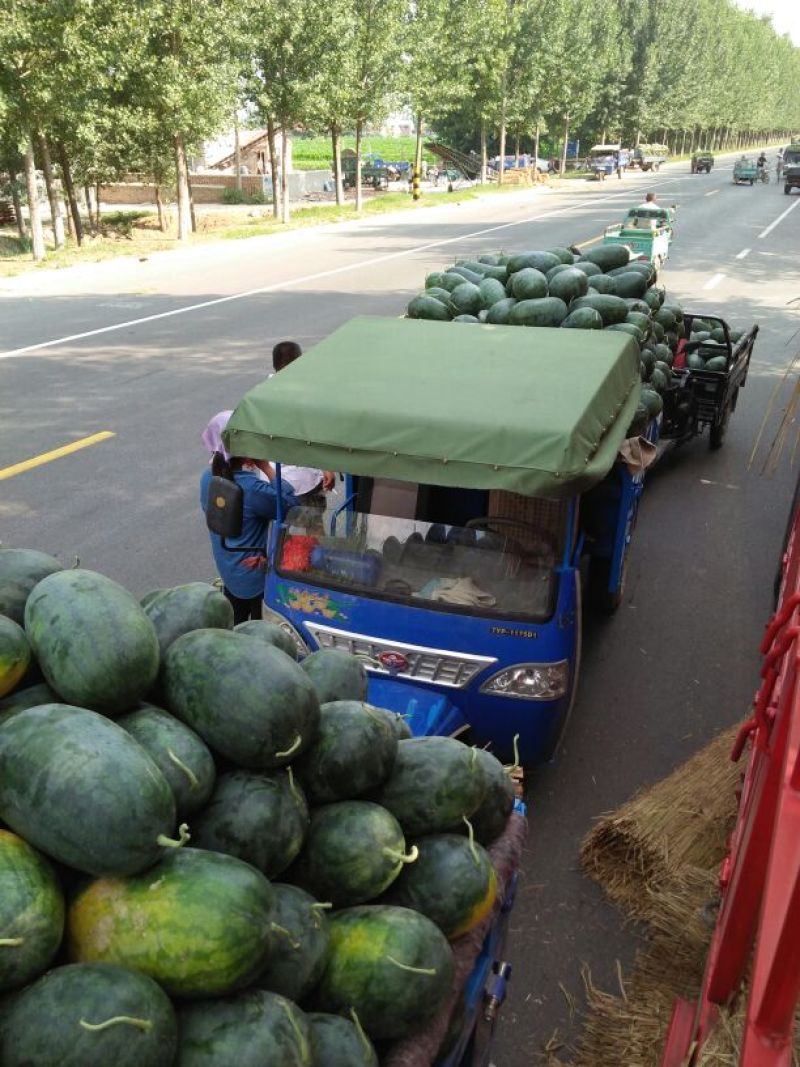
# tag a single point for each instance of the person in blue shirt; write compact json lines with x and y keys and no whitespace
{"x":242,"y":572}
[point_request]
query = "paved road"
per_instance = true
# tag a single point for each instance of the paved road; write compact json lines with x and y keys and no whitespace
{"x":677,"y":662}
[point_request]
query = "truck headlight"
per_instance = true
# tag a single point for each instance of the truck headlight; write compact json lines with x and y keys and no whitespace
{"x":277,"y":619}
{"x":530,"y":681}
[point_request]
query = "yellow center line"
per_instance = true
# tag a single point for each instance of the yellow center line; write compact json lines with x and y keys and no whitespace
{"x":56,"y":453}
{"x":591,"y":241}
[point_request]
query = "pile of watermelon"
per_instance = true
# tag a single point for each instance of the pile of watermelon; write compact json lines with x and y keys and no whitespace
{"x":212,"y":854}
{"x":602,"y":289}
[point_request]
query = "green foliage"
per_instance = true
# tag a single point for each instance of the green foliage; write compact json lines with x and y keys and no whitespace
{"x":231,"y":195}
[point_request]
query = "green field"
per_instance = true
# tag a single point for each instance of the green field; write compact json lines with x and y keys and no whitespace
{"x":316,"y":153}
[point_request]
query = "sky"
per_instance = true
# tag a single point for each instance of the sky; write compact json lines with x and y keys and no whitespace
{"x":785,"y":14}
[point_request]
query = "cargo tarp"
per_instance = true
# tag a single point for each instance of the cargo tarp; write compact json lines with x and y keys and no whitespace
{"x":532,"y":410}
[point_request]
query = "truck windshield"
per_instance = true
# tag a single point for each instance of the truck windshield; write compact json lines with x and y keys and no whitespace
{"x":791,"y":157}
{"x":497,"y":567}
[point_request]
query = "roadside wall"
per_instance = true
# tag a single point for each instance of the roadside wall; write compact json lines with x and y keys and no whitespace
{"x":209,"y":188}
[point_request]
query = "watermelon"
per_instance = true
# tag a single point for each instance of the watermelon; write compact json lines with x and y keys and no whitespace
{"x":90,"y":1015}
{"x":569,"y":283}
{"x":442,"y":295}
{"x":31,"y":912}
{"x":664,"y":317}
{"x":491,"y":816}
{"x":583,"y":319}
{"x":260,"y":817}
{"x":485,"y":270}
{"x":270,"y":633}
{"x":676,"y":309}
{"x":465,"y":299}
{"x":541,"y":261}
{"x":638,"y":305}
{"x":548,"y":311}
{"x":563,"y":254}
{"x":302,"y":939}
{"x":20,"y":570}
{"x":29,"y":697}
{"x":15,"y":654}
{"x":353,"y":852}
{"x":664,"y":368}
{"x":648,"y":359}
{"x":591,"y":270}
{"x":453,"y":882}
{"x":181,"y":756}
{"x":632,"y":283}
{"x":607,"y":257}
{"x":529,"y":284}
{"x":435,"y":783}
{"x":556,"y":270}
{"x":433,"y":280}
{"x":612,"y":308}
{"x":492,"y":291}
{"x":197,"y":922}
{"x":471,"y":276}
{"x":353,"y":752}
{"x":654,"y":298}
{"x":336,"y":675}
{"x":246,"y":699}
{"x":629,"y":328}
{"x":195,"y":606}
{"x":658,"y":380}
{"x":640,"y":320}
{"x":652,"y":401}
{"x":94,"y":643}
{"x":499,"y":312}
{"x":427,"y":307}
{"x":695,"y":361}
{"x":390,"y":965}
{"x":79,"y":788}
{"x":717,"y":363}
{"x":602,"y":283}
{"x":252,"y":1029}
{"x":338,"y":1042}
{"x":398,"y":723}
{"x":450,"y":281}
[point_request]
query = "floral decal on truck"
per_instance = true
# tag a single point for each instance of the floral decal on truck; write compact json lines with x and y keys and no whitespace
{"x":308,"y":602}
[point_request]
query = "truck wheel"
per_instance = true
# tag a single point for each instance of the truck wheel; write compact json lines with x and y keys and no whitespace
{"x":787,"y":190}
{"x":719,"y":429}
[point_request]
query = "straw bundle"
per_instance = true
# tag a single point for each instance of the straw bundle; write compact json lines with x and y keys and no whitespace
{"x":683,"y":823}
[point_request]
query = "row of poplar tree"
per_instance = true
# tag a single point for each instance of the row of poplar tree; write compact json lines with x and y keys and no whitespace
{"x":93,"y":90}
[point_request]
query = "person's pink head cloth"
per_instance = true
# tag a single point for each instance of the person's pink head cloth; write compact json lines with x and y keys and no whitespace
{"x":212,"y":435}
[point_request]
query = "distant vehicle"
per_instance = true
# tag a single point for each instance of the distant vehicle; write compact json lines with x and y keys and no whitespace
{"x":512,"y":162}
{"x":791,"y":168}
{"x":702,"y":161}
{"x":649,"y":156}
{"x":604,"y":158}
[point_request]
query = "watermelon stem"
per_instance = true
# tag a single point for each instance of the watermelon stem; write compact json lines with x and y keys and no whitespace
{"x":12,"y":942}
{"x":169,"y":842}
{"x":301,"y":1037}
{"x":193,"y":780}
{"x":365,"y":1041}
{"x":402,"y":857}
{"x":509,"y":768}
{"x":316,"y":910}
{"x":128,"y":1020}
{"x":292,"y":787}
{"x":282,"y":930}
{"x":472,"y":848}
{"x":412,"y":970}
{"x":290,"y":751}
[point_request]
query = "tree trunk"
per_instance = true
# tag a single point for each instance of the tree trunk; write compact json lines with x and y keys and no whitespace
{"x":273,"y":167}
{"x":502,"y":169}
{"x":418,"y":147}
{"x":683,"y":143}
{"x":97,"y":214}
{"x":638,"y":140}
{"x":564,"y":149}
{"x":516,"y":149}
{"x":56,"y":220}
{"x":237,"y":153}
{"x":336,"y":139}
{"x":484,"y":163}
{"x":37,"y":237}
{"x":359,"y":197}
{"x":192,"y":215}
{"x":285,"y":213}
{"x":162,"y":221}
{"x":536,"y":147}
{"x":17,"y":201}
{"x":72,"y":199}
{"x":87,"y":194}
{"x":184,"y":203}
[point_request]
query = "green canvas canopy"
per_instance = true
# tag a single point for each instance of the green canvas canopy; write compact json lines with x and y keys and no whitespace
{"x":536,"y":411}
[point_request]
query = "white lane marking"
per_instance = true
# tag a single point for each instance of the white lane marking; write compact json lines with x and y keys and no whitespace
{"x":713,"y":281}
{"x":712,"y":192}
{"x":722,"y":485}
{"x":780,"y":218}
{"x":744,"y":252}
{"x":14,"y":352}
